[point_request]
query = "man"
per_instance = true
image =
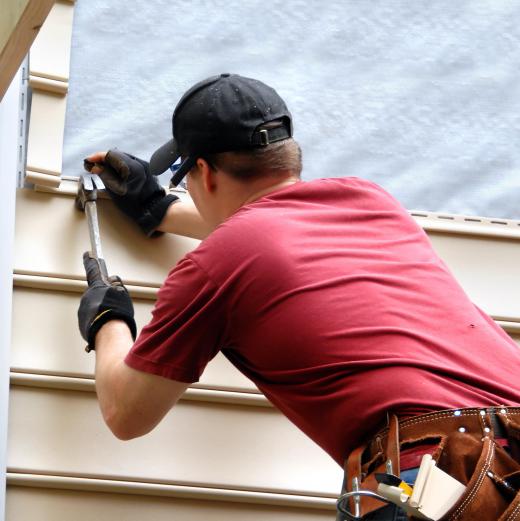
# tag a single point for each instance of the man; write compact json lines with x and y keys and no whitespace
{"x":326,"y":294}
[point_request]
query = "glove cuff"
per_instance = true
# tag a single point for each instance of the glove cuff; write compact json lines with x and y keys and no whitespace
{"x":154,"y":213}
{"x":102,"y":319}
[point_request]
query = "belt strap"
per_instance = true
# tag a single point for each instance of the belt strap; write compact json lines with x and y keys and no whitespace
{"x":386,"y":458}
{"x":474,"y":421}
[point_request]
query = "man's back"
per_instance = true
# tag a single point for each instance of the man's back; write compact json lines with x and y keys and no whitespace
{"x":328,"y":295}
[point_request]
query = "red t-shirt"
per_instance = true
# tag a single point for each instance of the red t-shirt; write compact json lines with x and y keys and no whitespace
{"x":328,"y":295}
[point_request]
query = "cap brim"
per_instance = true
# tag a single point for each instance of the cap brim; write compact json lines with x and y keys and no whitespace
{"x":185,"y":167}
{"x":164,"y":157}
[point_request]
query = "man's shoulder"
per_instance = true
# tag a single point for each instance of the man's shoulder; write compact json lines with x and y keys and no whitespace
{"x":239,"y":229}
{"x":264,"y":223}
{"x":337,"y":186}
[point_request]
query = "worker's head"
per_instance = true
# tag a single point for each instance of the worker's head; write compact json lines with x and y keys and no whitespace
{"x":236,"y":126}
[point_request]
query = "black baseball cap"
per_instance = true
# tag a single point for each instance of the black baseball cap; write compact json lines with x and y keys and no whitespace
{"x":221,"y":114}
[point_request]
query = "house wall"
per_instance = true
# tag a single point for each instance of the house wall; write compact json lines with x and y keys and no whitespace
{"x":222,"y":443}
{"x":224,"y":448}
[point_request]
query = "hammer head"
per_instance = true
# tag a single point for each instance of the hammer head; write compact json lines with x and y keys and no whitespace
{"x":88,"y":186}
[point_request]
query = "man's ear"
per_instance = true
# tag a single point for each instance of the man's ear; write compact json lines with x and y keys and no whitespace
{"x":206,"y":173}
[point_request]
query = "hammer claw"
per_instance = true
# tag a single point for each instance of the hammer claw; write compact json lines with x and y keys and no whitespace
{"x":87,"y":182}
{"x":97,"y":182}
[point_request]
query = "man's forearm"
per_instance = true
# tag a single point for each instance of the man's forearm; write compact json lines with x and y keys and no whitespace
{"x":132,"y":402}
{"x":183,"y":218}
{"x":113,"y":341}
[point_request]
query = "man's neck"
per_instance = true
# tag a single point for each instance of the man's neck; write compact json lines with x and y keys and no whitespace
{"x":239,"y":194}
{"x":269,"y":189}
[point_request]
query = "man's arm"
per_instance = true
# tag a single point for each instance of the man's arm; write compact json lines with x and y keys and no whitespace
{"x":181,"y":217}
{"x":132,"y":402}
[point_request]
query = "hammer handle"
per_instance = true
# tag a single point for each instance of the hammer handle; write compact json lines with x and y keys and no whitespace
{"x":95,"y":239}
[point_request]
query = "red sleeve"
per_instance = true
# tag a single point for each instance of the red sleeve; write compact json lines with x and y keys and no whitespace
{"x":185,"y":332}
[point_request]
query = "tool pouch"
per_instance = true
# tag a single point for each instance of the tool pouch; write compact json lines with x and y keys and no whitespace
{"x":492,"y":475}
{"x":465,"y":447}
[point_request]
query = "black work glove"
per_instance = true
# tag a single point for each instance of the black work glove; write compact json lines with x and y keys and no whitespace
{"x":135,"y":191}
{"x":102,"y":302}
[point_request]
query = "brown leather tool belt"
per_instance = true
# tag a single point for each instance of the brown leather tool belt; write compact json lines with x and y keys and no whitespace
{"x":464,"y":444}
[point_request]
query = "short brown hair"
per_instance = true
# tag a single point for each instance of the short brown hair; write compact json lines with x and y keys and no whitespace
{"x":271,"y":160}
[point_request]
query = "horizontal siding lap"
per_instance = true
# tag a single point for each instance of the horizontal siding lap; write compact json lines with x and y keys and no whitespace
{"x":222,"y":445}
{"x":53,"y":497}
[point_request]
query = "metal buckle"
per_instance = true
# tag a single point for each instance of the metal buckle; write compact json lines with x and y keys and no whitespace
{"x":264,"y":137}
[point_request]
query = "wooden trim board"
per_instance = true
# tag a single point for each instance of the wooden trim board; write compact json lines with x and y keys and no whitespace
{"x":20,"y":22}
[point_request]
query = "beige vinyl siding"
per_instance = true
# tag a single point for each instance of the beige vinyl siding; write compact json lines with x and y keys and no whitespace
{"x":48,"y":78}
{"x":50,"y":52}
{"x":199,"y":443}
{"x":31,"y":503}
{"x":223,"y":435}
{"x":60,"y":236}
{"x":53,"y":324}
{"x":486,"y":266}
{"x":45,"y":138}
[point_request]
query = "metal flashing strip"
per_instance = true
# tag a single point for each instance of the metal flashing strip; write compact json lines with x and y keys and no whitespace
{"x":467,"y":224}
{"x":22,"y":479}
{"x":67,"y":383}
{"x":23,"y":122}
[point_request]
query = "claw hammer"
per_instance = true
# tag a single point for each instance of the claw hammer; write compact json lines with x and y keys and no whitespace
{"x":88,"y":186}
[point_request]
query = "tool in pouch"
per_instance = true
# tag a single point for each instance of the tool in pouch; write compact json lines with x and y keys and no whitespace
{"x":433,"y":494}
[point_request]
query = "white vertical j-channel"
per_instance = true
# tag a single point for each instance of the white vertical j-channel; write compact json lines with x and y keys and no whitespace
{"x":9,"y":129}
